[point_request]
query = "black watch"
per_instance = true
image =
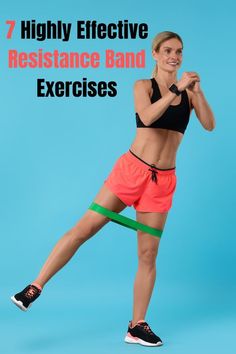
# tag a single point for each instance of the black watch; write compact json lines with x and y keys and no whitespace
{"x":173,"y":88}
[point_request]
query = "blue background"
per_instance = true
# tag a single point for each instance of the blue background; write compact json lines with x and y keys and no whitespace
{"x":54,"y":157}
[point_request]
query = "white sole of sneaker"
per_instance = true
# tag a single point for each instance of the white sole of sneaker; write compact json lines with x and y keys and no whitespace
{"x":19,"y":304}
{"x":132,"y":340}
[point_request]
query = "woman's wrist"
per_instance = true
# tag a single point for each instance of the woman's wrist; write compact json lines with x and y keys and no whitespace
{"x":197,"y":93}
{"x":179,"y":87}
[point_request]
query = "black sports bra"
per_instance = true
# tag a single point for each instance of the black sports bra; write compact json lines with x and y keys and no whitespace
{"x":176,"y":117}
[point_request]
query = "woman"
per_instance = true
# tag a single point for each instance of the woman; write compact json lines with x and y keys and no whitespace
{"x":143,"y":177}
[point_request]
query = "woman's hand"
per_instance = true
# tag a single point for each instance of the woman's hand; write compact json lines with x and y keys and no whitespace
{"x":195,"y":87}
{"x":189,"y":80}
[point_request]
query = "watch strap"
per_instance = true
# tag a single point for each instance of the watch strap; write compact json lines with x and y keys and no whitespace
{"x":173,"y":88}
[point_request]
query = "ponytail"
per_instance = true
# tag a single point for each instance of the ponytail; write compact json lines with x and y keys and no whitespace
{"x":155,"y":70}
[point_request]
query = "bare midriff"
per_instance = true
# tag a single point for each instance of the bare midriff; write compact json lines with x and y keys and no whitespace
{"x":157,"y":146}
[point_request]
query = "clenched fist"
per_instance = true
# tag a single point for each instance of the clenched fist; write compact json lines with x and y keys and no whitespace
{"x":189,"y":80}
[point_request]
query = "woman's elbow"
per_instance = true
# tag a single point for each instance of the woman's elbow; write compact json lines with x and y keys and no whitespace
{"x":210,"y":126}
{"x":144,"y":119}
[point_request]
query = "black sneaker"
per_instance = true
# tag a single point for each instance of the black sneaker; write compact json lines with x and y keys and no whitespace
{"x":25,"y":298}
{"x":142,"y":334}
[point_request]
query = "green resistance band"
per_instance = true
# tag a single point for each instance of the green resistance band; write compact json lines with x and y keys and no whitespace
{"x":124,"y":221}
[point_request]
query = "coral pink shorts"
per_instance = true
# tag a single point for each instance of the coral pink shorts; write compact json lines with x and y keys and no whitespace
{"x":137,"y":183}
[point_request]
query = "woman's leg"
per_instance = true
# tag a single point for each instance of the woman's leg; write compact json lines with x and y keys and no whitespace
{"x":87,"y":226}
{"x":146,"y":274}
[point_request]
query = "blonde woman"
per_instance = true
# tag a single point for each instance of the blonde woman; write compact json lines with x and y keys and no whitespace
{"x":143,"y":177}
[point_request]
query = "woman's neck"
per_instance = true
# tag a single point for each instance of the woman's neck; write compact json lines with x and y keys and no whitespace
{"x":165,"y":78}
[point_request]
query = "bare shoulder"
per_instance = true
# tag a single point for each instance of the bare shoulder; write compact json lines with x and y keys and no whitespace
{"x":142,"y":85}
{"x":142,"y":94}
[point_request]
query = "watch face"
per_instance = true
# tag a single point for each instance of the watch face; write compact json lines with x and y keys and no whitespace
{"x":174,"y":88}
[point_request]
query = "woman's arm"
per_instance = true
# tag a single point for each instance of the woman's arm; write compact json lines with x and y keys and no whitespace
{"x":147,"y":111}
{"x":150,"y":112}
{"x":201,"y":107}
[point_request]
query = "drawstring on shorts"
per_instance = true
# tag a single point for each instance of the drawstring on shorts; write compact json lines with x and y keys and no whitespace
{"x":154,"y":173}
{"x":153,"y":169}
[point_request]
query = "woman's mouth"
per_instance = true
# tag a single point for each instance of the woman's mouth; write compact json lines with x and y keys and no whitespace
{"x":173,"y":63}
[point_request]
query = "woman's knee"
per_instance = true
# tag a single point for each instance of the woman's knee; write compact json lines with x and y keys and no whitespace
{"x":147,"y":256}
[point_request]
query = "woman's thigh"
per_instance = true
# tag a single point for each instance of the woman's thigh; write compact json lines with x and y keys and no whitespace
{"x":109,"y":200}
{"x":92,"y":221}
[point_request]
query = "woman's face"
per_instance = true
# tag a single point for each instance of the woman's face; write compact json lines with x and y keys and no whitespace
{"x":169,"y":56}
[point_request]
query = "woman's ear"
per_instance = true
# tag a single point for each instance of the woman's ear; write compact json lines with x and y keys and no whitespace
{"x":154,"y":55}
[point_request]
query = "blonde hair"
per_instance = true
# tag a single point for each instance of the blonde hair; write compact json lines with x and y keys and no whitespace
{"x":157,"y":42}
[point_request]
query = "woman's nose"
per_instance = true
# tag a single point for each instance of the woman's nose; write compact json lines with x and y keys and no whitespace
{"x":174,"y":57}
